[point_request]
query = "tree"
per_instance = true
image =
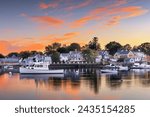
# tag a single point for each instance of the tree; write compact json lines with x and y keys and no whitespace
{"x":63,"y":50}
{"x":89,"y":55}
{"x":2,"y":56}
{"x":13,"y":54}
{"x":135,"y":48}
{"x":33,"y":53}
{"x":49,"y":50}
{"x":74,"y":46}
{"x":94,"y":45}
{"x":56,"y":57}
{"x":127,"y":47}
{"x":55,"y":46}
{"x":145,"y":47}
{"x":113,"y":47}
{"x":25,"y":54}
{"x":52,"y":48}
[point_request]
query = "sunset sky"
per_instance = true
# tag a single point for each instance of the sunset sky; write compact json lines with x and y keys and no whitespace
{"x":33,"y":24}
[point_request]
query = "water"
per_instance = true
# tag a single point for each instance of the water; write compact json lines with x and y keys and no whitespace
{"x":89,"y":84}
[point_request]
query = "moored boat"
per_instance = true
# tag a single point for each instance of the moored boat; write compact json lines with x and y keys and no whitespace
{"x":40,"y":68}
{"x":109,"y":71}
{"x":141,"y":66}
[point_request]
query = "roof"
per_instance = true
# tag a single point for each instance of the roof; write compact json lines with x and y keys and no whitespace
{"x":123,"y":52}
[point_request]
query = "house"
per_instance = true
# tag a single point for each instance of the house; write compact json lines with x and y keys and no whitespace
{"x":139,"y":56}
{"x":36,"y":58}
{"x":64,"y":57}
{"x":75,"y":56}
{"x":129,"y":60}
{"x":102,"y":55}
{"x":123,"y":54}
{"x":9,"y":60}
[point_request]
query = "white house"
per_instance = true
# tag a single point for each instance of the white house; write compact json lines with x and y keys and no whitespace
{"x":102,"y":55}
{"x":64,"y":57}
{"x":123,"y":54}
{"x":75,"y":56}
{"x":139,"y":56}
{"x":36,"y":58}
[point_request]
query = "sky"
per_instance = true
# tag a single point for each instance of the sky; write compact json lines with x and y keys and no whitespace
{"x":34,"y":24}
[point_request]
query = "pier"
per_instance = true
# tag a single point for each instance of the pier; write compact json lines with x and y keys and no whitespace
{"x":75,"y":65}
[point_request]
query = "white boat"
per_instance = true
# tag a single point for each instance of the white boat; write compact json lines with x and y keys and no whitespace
{"x":123,"y":68}
{"x":141,"y":66}
{"x":109,"y":71}
{"x":119,"y":67}
{"x":40,"y":68}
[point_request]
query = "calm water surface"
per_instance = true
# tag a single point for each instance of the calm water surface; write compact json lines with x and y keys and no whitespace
{"x":89,"y":84}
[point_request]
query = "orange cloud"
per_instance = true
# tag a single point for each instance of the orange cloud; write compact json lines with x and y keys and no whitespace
{"x":12,"y":46}
{"x":50,"y":5}
{"x":71,"y":34}
{"x":133,"y":11}
{"x":83,"y":4}
{"x":81,"y":21}
{"x":47,"y":20}
{"x":115,"y":11}
{"x":124,"y":13}
{"x":65,"y":37}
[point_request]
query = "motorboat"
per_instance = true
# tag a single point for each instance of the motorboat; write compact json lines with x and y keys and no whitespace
{"x":141,"y":66}
{"x":119,"y":67}
{"x":123,"y":68}
{"x":115,"y":71}
{"x":40,"y":68}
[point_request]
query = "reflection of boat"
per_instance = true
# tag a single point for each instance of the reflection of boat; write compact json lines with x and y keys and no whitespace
{"x":39,"y":68}
{"x":109,"y":71}
{"x":41,"y":76}
{"x":123,"y":68}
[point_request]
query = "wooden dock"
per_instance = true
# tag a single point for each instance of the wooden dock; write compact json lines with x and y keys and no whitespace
{"x":75,"y":66}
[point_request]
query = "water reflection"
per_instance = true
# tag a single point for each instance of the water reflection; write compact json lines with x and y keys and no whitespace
{"x":76,"y":84}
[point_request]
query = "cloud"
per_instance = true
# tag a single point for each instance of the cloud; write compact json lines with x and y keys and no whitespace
{"x":71,"y":34}
{"x":49,"y":5}
{"x":11,"y":46}
{"x":125,"y":13}
{"x":80,"y":5}
{"x":50,"y":21}
{"x":65,"y":37}
{"x":112,"y":14}
{"x":82,"y":21}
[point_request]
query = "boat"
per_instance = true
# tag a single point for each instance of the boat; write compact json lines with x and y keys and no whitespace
{"x":40,"y":68}
{"x":119,"y":67}
{"x":115,"y":71}
{"x":123,"y":68}
{"x":141,"y":66}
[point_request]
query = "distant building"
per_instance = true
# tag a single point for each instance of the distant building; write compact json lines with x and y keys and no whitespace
{"x":64,"y":57}
{"x":72,"y":56}
{"x":75,"y":56}
{"x":102,"y":56}
{"x":139,"y":56}
{"x":36,"y":58}
{"x":123,"y":54}
{"x":9,"y":60}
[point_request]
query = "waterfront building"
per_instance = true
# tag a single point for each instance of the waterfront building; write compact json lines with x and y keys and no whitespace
{"x":124,"y":54}
{"x":139,"y":56}
{"x":64,"y":57}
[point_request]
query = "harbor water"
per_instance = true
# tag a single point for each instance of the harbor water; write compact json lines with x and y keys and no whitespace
{"x":85,"y":84}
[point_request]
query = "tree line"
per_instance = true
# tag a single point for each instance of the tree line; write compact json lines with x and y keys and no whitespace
{"x":89,"y":50}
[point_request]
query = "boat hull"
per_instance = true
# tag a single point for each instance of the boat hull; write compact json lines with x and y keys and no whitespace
{"x":36,"y":71}
{"x":109,"y":71}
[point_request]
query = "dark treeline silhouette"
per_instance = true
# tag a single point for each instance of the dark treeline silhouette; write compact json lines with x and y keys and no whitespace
{"x":89,"y":50}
